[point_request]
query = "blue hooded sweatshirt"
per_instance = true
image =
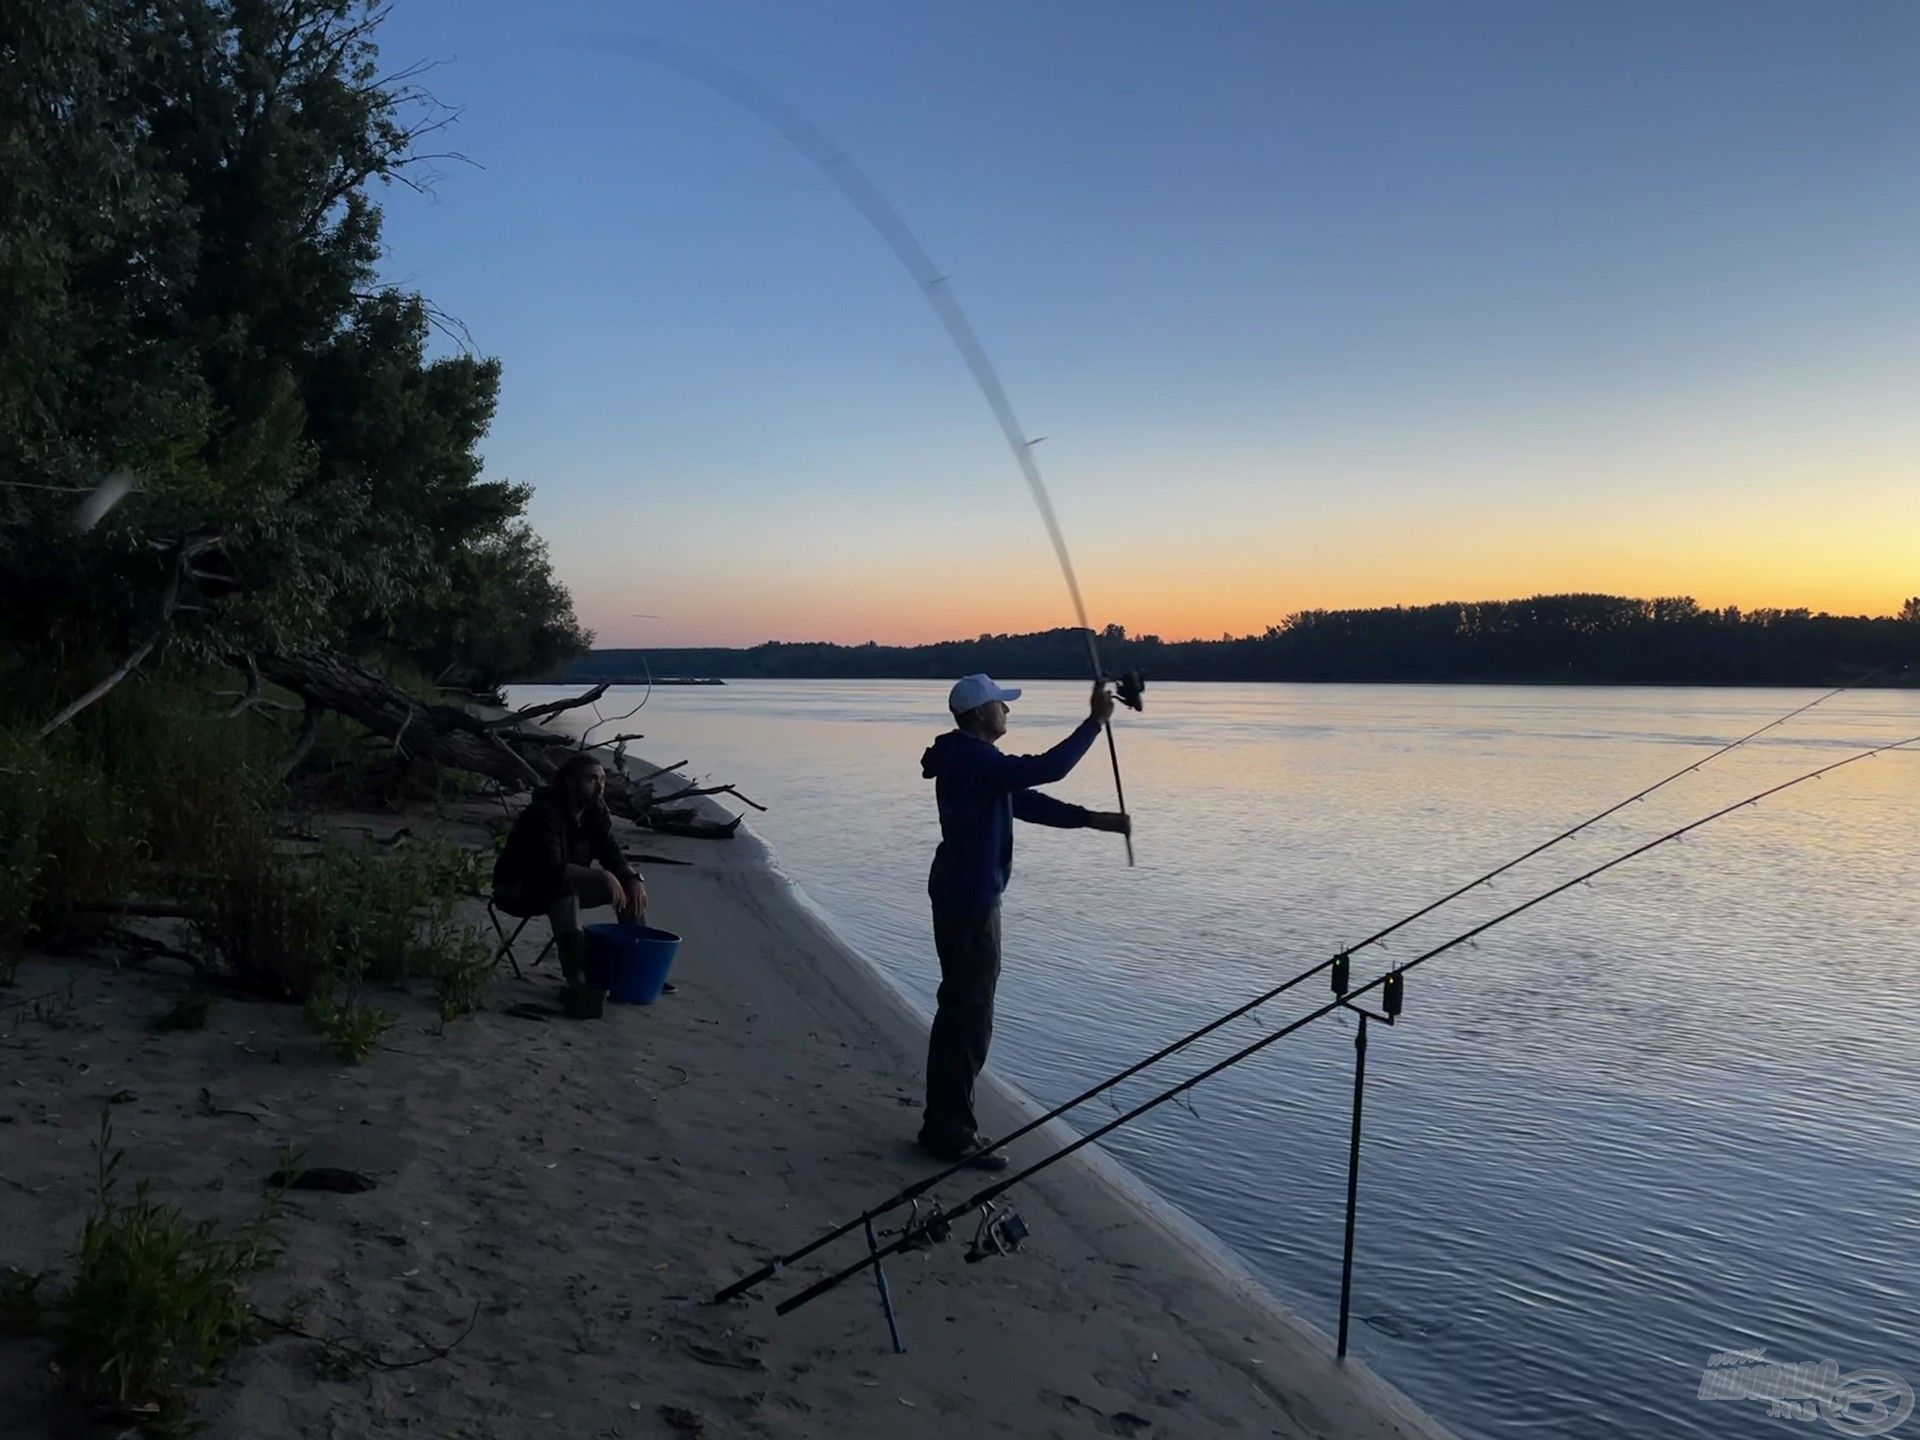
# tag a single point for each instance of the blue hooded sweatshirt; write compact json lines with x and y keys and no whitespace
{"x":981,"y":793}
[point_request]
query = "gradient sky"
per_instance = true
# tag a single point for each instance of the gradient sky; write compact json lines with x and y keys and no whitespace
{"x":1319,"y":304}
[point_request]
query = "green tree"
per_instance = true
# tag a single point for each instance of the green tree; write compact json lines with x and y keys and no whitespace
{"x":188,"y":292}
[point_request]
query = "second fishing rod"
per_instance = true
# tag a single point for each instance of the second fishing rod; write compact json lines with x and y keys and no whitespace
{"x":916,"y":1189}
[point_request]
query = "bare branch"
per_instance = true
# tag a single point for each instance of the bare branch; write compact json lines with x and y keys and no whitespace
{"x":125,"y":668}
{"x":309,"y":730}
{"x":546,"y":711}
{"x":249,"y":695}
{"x":587,"y":734}
{"x":188,"y":548}
{"x":454,"y":328}
{"x":693,"y":790}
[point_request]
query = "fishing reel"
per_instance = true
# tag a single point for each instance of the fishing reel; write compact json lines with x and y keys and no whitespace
{"x":917,"y":1234}
{"x":1129,"y":688}
{"x":1001,"y":1233}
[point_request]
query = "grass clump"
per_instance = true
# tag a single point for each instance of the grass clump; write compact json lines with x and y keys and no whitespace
{"x":157,"y":1302}
{"x":405,"y":903}
{"x":147,"y":781}
{"x":192,"y":778}
{"x":272,"y":922}
{"x":351,"y":1028}
{"x":62,"y":843}
{"x":462,"y":971}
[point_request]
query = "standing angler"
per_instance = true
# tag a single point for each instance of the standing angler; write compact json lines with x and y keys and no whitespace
{"x":981,"y":793}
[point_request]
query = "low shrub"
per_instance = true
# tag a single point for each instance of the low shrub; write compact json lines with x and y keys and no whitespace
{"x":462,"y":970}
{"x":192,"y":774}
{"x":380,"y":912}
{"x":157,"y":1301}
{"x":273,"y":922}
{"x":336,"y":1014}
{"x":86,"y":856}
{"x":62,"y":842}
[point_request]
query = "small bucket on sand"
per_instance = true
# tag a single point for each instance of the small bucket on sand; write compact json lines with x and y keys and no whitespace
{"x":583,"y":1002}
{"x":630,"y":961}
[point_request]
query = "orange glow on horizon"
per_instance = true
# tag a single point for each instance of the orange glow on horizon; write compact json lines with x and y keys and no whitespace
{"x":1236,"y":570}
{"x":1239,"y":594}
{"x":1180,"y":615}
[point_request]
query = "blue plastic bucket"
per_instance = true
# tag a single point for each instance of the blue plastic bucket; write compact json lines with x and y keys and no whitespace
{"x":630,"y":962}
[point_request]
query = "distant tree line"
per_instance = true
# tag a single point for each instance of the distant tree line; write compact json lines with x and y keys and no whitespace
{"x":1565,"y":639}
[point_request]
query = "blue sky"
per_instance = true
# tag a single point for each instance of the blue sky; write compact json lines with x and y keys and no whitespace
{"x":1318,"y":304}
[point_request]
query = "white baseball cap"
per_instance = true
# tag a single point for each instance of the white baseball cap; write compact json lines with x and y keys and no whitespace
{"x":972,"y":691}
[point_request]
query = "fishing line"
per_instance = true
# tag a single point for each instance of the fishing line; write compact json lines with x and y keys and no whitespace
{"x":858,"y":187}
{"x":939,"y":1222}
{"x":921,"y":1187}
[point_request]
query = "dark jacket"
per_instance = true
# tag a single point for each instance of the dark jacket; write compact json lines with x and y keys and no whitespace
{"x":981,"y":793}
{"x":531,"y":873}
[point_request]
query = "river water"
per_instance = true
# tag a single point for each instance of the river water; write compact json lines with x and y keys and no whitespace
{"x":1672,"y":1113}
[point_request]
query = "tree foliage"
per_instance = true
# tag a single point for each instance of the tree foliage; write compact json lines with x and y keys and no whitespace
{"x":189,"y":292}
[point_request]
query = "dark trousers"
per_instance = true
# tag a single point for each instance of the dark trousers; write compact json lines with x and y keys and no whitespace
{"x":968,"y":943}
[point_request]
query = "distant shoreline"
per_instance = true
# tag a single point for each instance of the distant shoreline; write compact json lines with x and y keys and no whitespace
{"x":1542,"y":640}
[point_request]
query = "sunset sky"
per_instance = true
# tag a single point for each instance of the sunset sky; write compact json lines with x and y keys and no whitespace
{"x":1324,"y":304}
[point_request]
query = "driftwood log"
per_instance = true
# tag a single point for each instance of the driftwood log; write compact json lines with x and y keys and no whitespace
{"x":511,"y":750}
{"x":444,"y":734}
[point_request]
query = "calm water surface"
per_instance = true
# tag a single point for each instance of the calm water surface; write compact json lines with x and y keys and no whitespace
{"x":1674,"y":1112}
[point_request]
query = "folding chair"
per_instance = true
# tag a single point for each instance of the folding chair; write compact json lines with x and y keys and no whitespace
{"x":506,"y":942}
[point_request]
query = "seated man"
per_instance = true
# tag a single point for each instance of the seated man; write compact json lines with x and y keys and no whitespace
{"x":547,"y":866}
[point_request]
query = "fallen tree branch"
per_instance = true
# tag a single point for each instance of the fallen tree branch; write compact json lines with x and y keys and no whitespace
{"x":443,"y":734}
{"x":546,"y":711}
{"x":693,"y":790}
{"x":506,"y":750}
{"x":685,"y":822}
{"x":527,"y":772}
{"x":587,"y":734}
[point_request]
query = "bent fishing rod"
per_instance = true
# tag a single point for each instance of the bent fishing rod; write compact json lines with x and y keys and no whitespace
{"x":938,"y":1225}
{"x":853,"y":182}
{"x":920,"y":1187}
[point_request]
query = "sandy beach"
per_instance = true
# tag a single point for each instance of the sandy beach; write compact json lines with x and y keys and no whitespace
{"x":578,"y":1190}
